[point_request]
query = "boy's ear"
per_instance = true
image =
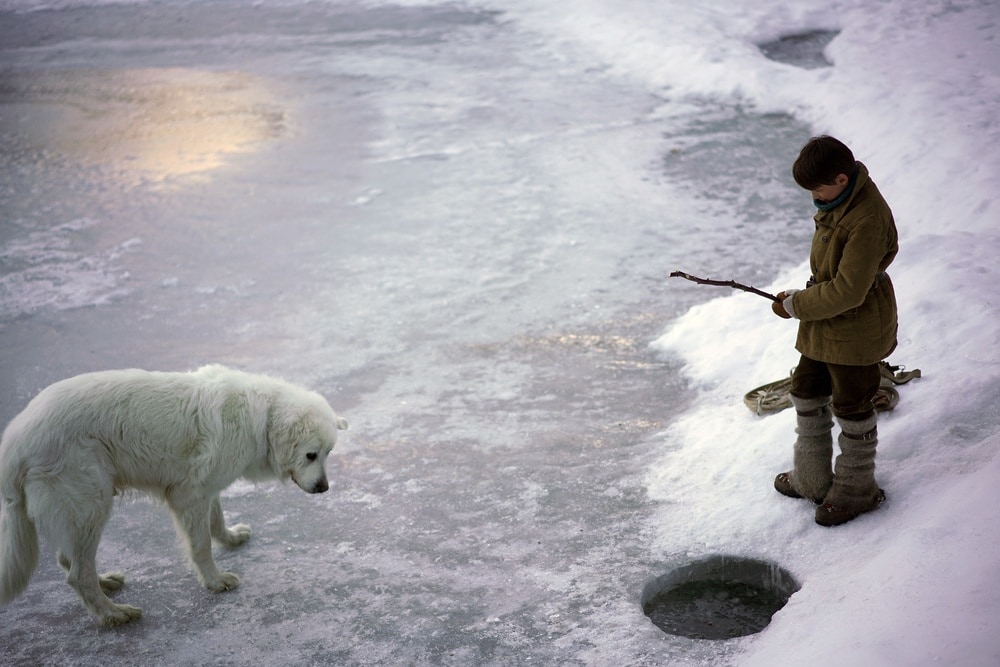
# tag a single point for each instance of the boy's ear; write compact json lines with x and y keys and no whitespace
{"x":842,"y":179}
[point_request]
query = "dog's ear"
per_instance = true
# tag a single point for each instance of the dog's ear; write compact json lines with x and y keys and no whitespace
{"x":341,"y":423}
{"x":285,"y":429}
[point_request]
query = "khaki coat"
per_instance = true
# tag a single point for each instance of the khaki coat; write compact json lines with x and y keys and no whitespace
{"x":848,"y":316}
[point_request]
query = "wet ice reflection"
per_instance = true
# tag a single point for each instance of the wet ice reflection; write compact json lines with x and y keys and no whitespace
{"x":149,"y":123}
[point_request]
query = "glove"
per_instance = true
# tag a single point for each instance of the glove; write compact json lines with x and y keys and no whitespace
{"x":783,"y":306}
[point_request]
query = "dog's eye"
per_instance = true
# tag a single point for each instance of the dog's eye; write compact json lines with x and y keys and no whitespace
{"x":311,"y":456}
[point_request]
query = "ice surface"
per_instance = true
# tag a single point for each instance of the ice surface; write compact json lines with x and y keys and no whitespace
{"x":456,"y":222}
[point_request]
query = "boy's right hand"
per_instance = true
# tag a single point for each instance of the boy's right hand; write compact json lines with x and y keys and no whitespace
{"x":778,"y":308}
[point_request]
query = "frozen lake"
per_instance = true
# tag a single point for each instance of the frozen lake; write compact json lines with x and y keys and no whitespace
{"x":455,"y":230}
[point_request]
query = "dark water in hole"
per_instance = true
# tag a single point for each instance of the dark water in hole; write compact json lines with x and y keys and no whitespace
{"x":714,"y":609}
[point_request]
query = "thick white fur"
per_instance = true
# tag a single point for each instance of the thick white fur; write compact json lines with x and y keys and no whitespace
{"x":181,"y":437}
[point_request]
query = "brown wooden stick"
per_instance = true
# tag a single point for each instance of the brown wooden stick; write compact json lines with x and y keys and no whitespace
{"x":724,"y":283}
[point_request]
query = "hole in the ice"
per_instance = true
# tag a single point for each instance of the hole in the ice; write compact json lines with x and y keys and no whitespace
{"x":720,"y":597}
{"x":802,"y":49}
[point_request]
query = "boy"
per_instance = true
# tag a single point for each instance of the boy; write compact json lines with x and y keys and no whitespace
{"x":847,"y":325}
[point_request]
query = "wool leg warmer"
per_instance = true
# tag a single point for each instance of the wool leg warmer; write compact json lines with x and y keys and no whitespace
{"x":812,"y":454}
{"x":854,"y":489}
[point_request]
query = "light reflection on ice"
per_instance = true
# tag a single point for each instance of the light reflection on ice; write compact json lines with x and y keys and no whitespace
{"x":151,"y":124}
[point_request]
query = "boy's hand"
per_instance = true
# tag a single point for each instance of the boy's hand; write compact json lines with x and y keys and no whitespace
{"x":778,"y":308}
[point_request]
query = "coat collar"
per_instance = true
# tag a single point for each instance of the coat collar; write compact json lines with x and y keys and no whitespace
{"x":832,"y":217}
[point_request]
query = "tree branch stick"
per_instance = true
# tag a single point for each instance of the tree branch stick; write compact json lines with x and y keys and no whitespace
{"x":724,"y":283}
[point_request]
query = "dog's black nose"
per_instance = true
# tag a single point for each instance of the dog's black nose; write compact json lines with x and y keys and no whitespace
{"x":321,"y":486}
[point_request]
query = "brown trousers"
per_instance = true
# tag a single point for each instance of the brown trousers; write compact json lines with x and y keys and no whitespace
{"x":852,"y":388}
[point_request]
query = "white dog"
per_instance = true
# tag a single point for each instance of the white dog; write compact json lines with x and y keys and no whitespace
{"x":181,"y":437}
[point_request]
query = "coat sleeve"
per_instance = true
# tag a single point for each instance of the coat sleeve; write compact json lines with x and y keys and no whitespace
{"x":859,"y":261}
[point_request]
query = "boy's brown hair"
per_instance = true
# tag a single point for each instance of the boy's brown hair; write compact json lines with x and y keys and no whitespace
{"x":820,"y":161}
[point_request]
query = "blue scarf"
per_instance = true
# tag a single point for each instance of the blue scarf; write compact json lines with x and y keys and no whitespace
{"x":842,"y":197}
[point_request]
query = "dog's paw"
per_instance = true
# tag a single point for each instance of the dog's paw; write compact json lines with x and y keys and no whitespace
{"x":237,"y":535}
{"x":120,"y":614}
{"x":226,"y":581}
{"x":112,"y":581}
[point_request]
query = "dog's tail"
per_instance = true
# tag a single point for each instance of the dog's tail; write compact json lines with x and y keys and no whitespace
{"x":18,"y":549}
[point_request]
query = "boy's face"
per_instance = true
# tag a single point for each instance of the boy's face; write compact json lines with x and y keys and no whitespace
{"x":827,"y":193}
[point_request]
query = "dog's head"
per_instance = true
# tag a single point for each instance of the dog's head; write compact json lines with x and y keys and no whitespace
{"x":301,"y":437}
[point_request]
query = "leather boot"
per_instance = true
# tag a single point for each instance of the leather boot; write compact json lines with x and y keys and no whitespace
{"x":854,"y":490}
{"x":812,"y":454}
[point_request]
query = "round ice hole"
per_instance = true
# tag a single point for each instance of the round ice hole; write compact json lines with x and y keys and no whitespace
{"x":720,"y":597}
